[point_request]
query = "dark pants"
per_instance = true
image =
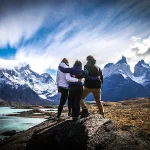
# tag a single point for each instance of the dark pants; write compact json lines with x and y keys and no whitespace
{"x":75,"y":93}
{"x":63,"y":99}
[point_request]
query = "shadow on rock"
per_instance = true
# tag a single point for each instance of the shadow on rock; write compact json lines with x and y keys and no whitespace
{"x":91,"y":133}
{"x":66,"y":135}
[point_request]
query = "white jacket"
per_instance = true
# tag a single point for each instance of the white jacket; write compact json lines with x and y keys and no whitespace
{"x":62,"y":79}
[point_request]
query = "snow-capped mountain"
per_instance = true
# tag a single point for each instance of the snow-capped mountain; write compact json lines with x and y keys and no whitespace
{"x":141,"y":68}
{"x":121,"y":67}
{"x":22,"y":84}
{"x":142,"y":73}
{"x":120,"y":83}
{"x":22,"y":76}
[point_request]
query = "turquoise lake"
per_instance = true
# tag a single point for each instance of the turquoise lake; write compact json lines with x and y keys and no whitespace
{"x":16,"y":123}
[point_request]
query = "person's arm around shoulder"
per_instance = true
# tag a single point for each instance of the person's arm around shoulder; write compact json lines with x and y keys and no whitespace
{"x":65,"y":70}
{"x":71,"y":79}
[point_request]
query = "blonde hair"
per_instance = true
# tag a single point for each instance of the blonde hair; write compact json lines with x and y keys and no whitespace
{"x":65,"y":60}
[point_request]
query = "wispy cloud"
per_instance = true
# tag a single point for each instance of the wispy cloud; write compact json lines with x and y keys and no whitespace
{"x":45,"y":33}
{"x":21,"y":23}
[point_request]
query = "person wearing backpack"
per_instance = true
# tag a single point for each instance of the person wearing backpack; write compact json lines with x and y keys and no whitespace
{"x":92,"y":86}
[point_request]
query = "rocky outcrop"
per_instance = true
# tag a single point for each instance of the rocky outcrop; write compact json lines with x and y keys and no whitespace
{"x":92,"y":133}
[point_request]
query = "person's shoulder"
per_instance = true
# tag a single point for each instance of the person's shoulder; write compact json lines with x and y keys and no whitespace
{"x":62,"y":64}
{"x":85,"y":66}
{"x":97,"y":67}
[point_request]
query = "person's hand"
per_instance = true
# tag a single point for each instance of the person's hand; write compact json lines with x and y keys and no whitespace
{"x":99,"y":77}
{"x":79,"y":80}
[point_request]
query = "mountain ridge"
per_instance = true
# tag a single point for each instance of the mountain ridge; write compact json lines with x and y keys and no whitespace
{"x":42,"y":87}
{"x":119,"y":83}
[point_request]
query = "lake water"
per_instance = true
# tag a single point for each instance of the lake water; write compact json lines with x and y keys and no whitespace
{"x":8,"y":110}
{"x":16,"y":123}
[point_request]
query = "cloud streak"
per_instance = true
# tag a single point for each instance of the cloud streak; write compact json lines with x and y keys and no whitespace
{"x":21,"y":24}
{"x":46,"y":32}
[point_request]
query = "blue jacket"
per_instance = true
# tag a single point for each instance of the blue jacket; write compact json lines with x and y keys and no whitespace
{"x":77,"y":70}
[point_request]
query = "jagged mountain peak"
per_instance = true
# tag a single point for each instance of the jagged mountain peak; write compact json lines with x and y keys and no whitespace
{"x":142,"y":63}
{"x":108,"y":65}
{"x":121,"y":67}
{"x":22,"y":66}
{"x":122,"y":60}
{"x":141,"y":68}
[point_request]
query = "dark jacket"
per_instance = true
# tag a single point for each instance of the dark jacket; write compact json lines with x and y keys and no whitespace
{"x":92,"y":70}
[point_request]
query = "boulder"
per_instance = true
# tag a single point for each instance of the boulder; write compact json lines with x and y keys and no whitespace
{"x":91,"y":133}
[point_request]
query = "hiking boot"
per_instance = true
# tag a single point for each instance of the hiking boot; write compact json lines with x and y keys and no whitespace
{"x":57,"y":118}
{"x":75,"y":118}
{"x":85,"y":113}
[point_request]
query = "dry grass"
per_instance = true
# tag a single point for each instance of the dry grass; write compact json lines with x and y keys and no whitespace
{"x":131,"y":115}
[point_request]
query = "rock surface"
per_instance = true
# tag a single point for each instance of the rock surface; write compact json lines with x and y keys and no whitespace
{"x":92,"y":133}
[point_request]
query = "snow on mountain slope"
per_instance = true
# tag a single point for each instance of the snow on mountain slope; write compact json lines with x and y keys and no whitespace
{"x":141,"y":68}
{"x":120,"y":83}
{"x":120,"y":67}
{"x":141,"y":73}
{"x":22,"y":84}
{"x":139,"y":80}
{"x":43,"y":84}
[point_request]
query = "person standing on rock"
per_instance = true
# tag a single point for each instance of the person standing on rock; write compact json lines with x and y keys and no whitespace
{"x":75,"y":88}
{"x":63,"y":87}
{"x":92,"y":86}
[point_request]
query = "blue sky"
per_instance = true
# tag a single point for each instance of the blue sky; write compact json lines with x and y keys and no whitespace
{"x":42,"y":33}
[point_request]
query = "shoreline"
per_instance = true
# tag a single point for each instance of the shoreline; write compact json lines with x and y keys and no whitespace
{"x":33,"y":112}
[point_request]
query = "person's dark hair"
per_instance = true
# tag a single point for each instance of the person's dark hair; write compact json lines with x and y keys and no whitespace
{"x":65,"y":60}
{"x":91,"y":59}
{"x":77,"y":63}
